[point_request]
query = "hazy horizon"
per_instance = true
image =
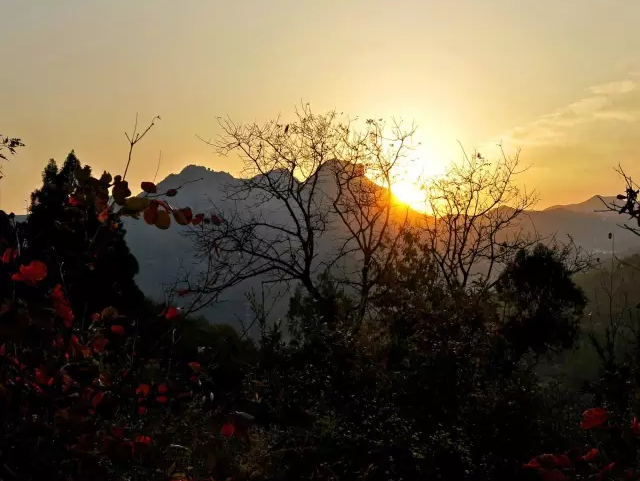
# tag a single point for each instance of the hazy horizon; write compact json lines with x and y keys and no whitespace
{"x":560,"y":81}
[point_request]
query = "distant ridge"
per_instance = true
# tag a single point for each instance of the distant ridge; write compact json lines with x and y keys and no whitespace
{"x":590,"y":205}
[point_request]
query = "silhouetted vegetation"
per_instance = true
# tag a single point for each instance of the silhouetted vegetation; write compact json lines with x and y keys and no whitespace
{"x":419,"y":348}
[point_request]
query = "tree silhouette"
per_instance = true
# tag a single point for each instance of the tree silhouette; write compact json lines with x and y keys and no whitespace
{"x":92,"y":256}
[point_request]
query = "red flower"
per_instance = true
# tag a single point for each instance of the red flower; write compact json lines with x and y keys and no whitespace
{"x":8,"y":255}
{"x":171,"y":313}
{"x":31,"y":274}
{"x":593,"y":418}
{"x":117,"y":329}
{"x":143,"y":389}
{"x":227,"y":430}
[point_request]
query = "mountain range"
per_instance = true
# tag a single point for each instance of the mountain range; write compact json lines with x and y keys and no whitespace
{"x":161,"y":255}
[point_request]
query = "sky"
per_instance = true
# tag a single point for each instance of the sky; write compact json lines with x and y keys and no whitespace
{"x":559,"y":79}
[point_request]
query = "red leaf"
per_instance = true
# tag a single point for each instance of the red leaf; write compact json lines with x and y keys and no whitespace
{"x":143,"y":389}
{"x":97,"y":399}
{"x":142,"y":410}
{"x":227,"y":430}
{"x":162,"y":388}
{"x":563,"y":461}
{"x":216,"y":220}
{"x":552,"y":475}
{"x":99,"y":343}
{"x":149,"y":187}
{"x":188,"y":213}
{"x":117,"y":432}
{"x":3,"y":350}
{"x":117,"y":329}
{"x":183,"y":292}
{"x":150,"y":214}
{"x":593,"y":418}
{"x":142,"y":439}
{"x":172,"y":313}
{"x":635,"y":427}
{"x":103,"y":216}
{"x":197,"y":219}
{"x":195,"y":366}
{"x":162,"y":399}
{"x":171,"y":193}
{"x":32,"y":273}
{"x":604,"y":471}
{"x":590,"y":456}
{"x":8,"y":255}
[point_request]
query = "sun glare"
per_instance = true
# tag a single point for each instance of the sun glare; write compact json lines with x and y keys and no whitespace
{"x":423,"y":164}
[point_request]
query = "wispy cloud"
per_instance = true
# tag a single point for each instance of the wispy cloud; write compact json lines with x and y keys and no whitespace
{"x":572,"y":151}
{"x":612,"y":88}
{"x":617,"y":101}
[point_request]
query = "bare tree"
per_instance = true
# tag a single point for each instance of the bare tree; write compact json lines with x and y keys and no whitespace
{"x":475,"y":223}
{"x":316,"y":198}
{"x":626,"y":203}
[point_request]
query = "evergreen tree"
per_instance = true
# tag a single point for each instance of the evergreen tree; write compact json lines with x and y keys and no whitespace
{"x":93,"y":257}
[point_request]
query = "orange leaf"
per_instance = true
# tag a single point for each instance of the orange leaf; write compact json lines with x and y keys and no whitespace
{"x":593,"y":418}
{"x":195,"y":366}
{"x":162,"y":220}
{"x":149,"y":187}
{"x":117,"y":329}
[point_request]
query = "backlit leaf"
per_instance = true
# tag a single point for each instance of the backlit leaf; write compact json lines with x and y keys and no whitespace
{"x":149,"y":187}
{"x":163,"y":220}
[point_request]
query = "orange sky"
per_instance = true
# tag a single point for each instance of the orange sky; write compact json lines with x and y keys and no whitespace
{"x":558,"y":79}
